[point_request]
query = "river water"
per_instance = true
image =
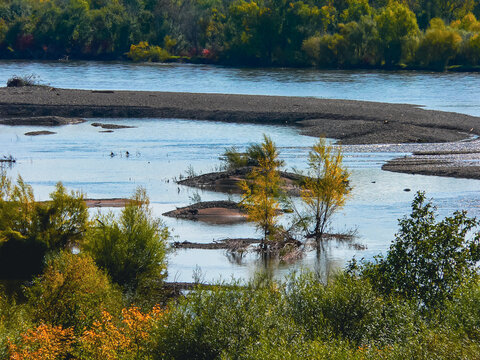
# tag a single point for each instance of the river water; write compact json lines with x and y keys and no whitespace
{"x":79,"y":155}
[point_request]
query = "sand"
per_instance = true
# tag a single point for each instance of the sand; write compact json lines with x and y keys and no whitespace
{"x":350,"y":122}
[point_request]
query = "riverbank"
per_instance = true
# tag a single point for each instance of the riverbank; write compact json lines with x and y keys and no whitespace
{"x":351,"y":122}
{"x":449,"y":163}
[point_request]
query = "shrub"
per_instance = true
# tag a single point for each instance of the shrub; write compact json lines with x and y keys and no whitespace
{"x":14,"y":319}
{"x":126,"y":338}
{"x":462,"y":313}
{"x":324,"y":189}
{"x":145,"y":52}
{"x":132,"y":249}
{"x":72,"y":292}
{"x":24,"y":80}
{"x":29,"y":229}
{"x":262,"y":191}
{"x":347,"y":309}
{"x":43,"y":342}
{"x":429,"y":260}
{"x":223,"y":321}
{"x":438,"y":46}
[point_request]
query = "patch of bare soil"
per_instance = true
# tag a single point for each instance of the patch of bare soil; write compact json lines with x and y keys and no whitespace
{"x":460,"y":164}
{"x":111,"y":126}
{"x":351,"y":122}
{"x":215,"y":212}
{"x":114,"y":202}
{"x":228,"y":181}
{"x":41,"y":121}
{"x":42,"y":132}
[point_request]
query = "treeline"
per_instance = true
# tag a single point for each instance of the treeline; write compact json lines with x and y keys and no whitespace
{"x":432,"y":34}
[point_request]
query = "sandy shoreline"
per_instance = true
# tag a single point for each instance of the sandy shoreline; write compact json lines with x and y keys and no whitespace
{"x":351,"y":122}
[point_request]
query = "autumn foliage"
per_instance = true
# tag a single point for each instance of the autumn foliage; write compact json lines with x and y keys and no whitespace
{"x":45,"y":342}
{"x":261,"y":191}
{"x":110,"y":338}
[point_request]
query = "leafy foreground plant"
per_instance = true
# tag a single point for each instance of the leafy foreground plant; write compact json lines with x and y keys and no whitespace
{"x":132,"y":249}
{"x":72,"y":293}
{"x":429,"y":260}
{"x":30,"y":230}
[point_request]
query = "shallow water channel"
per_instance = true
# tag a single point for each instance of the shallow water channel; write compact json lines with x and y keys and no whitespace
{"x":162,"y":149}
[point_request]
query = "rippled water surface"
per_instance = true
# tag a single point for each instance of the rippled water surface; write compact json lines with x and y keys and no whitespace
{"x":161,"y":149}
{"x":456,"y":92}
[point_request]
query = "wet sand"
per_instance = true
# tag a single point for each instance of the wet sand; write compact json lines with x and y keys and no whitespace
{"x":461,"y":160}
{"x":213,"y":212}
{"x":114,"y":202}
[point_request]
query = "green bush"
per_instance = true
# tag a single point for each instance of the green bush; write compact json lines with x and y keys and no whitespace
{"x":429,"y":260}
{"x":223,"y":321}
{"x":348,"y":309}
{"x":30,"y":229}
{"x":14,"y":320}
{"x":462,"y":313}
{"x":72,"y":292}
{"x":131,"y":249}
{"x":235,"y":160}
{"x":438,"y":46}
{"x":145,"y":52}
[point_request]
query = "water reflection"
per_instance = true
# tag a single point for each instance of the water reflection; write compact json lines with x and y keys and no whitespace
{"x":79,"y":156}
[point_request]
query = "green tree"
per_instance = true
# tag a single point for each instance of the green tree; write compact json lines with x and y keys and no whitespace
{"x":29,"y":229}
{"x":429,"y":260}
{"x":356,"y":10}
{"x":261,"y":191}
{"x":439,"y":45}
{"x":324,"y":189}
{"x":72,"y":292}
{"x":132,"y":249}
{"x":397,"y":25}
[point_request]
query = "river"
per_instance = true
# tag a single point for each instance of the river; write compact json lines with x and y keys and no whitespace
{"x":79,"y":155}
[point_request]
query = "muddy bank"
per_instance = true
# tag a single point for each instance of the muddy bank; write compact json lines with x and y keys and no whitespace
{"x":352,"y":122}
{"x":114,"y":202}
{"x":111,"y":126}
{"x":37,"y":133}
{"x":443,"y":163}
{"x":228,"y":181}
{"x":39,"y":120}
{"x":225,"y":244}
{"x":215,"y":212}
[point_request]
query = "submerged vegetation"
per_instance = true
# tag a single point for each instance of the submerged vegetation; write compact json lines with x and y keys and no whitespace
{"x":435,"y":34}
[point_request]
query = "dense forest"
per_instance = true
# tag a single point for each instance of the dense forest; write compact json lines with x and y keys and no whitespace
{"x":432,"y":34}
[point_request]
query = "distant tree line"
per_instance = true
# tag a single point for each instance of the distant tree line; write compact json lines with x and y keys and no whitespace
{"x":430,"y":34}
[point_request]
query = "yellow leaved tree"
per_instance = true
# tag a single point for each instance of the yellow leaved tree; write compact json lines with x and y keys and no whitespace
{"x":262,"y":190}
{"x":324,"y":190}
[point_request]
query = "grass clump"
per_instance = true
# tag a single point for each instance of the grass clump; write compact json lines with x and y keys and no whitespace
{"x":23,"y":80}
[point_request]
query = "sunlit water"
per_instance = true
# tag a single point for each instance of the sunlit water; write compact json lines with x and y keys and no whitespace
{"x":456,"y":92}
{"x":160,"y":150}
